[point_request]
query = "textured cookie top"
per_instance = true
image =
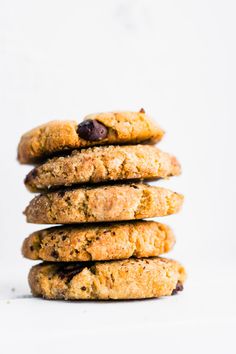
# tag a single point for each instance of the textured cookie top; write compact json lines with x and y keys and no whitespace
{"x":124,"y":279}
{"x":104,"y":203}
{"x":101,"y":164}
{"x":99,"y":242}
{"x":96,"y":129}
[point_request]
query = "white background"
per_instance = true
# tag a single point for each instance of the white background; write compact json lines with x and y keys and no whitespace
{"x":65,"y":59}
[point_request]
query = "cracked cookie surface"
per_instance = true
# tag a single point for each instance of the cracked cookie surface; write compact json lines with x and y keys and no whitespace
{"x":101,"y":164}
{"x":97,"y":129}
{"x":99,"y":242}
{"x":104,"y":203}
{"x":124,"y":279}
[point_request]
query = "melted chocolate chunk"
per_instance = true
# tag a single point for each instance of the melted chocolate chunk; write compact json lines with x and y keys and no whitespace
{"x":69,"y":271}
{"x":179,"y":287}
{"x":55,"y":254}
{"x":61,"y":193}
{"x":134,"y":186}
{"x":31,"y":175}
{"x":92,"y":130}
{"x":142,"y":110}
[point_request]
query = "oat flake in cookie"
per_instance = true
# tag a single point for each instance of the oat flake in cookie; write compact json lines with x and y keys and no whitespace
{"x":97,"y":129}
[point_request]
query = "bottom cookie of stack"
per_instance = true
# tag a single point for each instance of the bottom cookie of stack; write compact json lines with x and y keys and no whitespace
{"x":120,"y":279}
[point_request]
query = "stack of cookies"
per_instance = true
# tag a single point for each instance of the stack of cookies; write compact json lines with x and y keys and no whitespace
{"x":90,"y":176}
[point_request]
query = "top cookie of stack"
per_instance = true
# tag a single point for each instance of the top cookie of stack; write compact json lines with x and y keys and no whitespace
{"x":75,"y":165}
{"x":97,"y":129}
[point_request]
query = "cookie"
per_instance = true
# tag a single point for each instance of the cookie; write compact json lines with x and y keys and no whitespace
{"x":99,"y":242}
{"x":104,"y":203}
{"x":96,"y":129}
{"x":101,"y":164}
{"x":124,"y":279}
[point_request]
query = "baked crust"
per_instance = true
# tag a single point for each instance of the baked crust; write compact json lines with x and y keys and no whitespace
{"x":99,"y":242}
{"x":59,"y":135}
{"x":104,"y":203}
{"x":102,"y":164}
{"x":124,"y":279}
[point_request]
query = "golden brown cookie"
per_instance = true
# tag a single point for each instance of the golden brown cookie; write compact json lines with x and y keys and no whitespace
{"x":101,"y":164}
{"x":124,"y":279}
{"x":104,"y":203}
{"x":96,"y":129}
{"x":99,"y":242}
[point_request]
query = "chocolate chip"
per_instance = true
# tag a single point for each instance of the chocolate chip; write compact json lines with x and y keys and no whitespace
{"x":93,"y":270}
{"x":31,"y":248}
{"x":142,"y":110}
{"x":179,"y":287}
{"x":69,"y":271}
{"x":83,"y":288}
{"x":61,"y":193}
{"x":55,"y":254}
{"x":92,"y":130}
{"x":64,"y":237}
{"x":31,"y":175}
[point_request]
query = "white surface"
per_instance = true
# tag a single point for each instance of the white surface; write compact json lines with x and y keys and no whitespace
{"x":64,"y":59}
